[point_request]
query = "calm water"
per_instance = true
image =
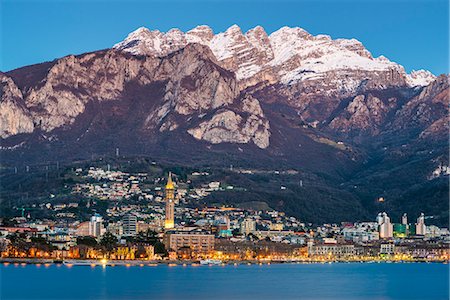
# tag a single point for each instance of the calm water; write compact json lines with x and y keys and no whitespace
{"x":276,"y":281}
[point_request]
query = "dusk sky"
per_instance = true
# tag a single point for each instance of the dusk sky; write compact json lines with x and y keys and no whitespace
{"x":412,"y":33}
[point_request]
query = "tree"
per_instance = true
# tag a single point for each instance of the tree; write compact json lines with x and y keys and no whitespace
{"x":148,"y":237}
{"x":108,"y":242}
{"x":87,"y":241}
{"x":41,"y":243}
{"x":7,"y":222}
{"x":252,"y":237}
{"x":235,"y":232}
{"x":160,"y":249}
{"x":18,"y":242}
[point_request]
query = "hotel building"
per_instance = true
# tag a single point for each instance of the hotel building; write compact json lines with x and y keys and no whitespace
{"x":197,"y":240}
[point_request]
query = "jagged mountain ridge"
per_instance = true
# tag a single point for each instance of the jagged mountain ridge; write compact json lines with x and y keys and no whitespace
{"x":289,"y":54}
{"x":247,"y":98}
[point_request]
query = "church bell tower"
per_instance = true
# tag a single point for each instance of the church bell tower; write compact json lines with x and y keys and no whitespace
{"x":170,"y":205}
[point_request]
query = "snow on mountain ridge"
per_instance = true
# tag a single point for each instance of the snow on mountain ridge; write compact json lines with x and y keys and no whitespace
{"x":294,"y":53}
{"x":420,"y":78}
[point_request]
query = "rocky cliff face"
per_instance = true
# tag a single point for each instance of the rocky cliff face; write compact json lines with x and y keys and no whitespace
{"x":14,"y":116}
{"x":194,"y":85}
{"x":213,"y":85}
{"x":363,"y":113}
{"x":427,"y":112}
{"x":243,"y":124}
{"x":312,"y":73}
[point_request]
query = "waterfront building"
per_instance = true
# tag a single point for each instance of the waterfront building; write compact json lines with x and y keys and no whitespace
{"x":400,"y":230}
{"x":83,"y":229}
{"x":170,"y":204}
{"x":129,"y":224}
{"x":198,"y":240}
{"x":96,"y":228}
{"x":405,"y":219}
{"x":385,"y":227}
{"x":248,"y":226}
{"x":387,"y":248}
{"x":115,"y":228}
{"x":273,"y":234}
{"x":421,"y":228}
{"x":435,"y":232}
{"x":360,"y":234}
{"x":61,"y":240}
{"x":334,"y":250}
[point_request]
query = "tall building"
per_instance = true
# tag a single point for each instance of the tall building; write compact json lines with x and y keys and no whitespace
{"x":248,"y":226}
{"x":421,"y":229}
{"x":96,"y":228}
{"x":405,"y":219}
{"x":170,"y":205}
{"x":129,"y":224}
{"x":379,"y":219}
{"x":385,"y":227}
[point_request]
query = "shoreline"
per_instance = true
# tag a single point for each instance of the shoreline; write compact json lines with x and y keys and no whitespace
{"x":172,"y":263}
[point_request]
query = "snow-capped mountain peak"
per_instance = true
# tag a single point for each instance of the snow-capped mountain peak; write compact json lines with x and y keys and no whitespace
{"x":290,"y":53}
{"x":420,"y":78}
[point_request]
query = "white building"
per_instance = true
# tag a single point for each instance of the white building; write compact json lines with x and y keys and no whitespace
{"x":96,"y":228}
{"x":331,"y":250}
{"x":405,"y":219}
{"x":388,"y":249}
{"x":421,"y":229}
{"x":129,"y":224}
{"x":385,"y":227}
{"x":214,"y":185}
{"x":360,"y":234}
{"x":248,"y":226}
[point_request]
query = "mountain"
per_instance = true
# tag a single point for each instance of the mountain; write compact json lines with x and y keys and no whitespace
{"x":358,"y":127}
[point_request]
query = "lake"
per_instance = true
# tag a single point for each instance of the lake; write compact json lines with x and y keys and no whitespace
{"x":275,"y":281}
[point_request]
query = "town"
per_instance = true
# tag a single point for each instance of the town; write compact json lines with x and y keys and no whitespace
{"x":159,"y":225}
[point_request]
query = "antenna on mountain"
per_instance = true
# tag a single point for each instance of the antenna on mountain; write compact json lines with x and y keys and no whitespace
{"x":109,"y":167}
{"x":28,"y":169}
{"x":117,"y":152}
{"x":15,"y":170}
{"x":301,"y":183}
{"x":231,"y":168}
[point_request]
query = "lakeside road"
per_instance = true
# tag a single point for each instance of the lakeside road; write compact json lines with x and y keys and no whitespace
{"x":274,"y":281}
{"x":138,"y":262}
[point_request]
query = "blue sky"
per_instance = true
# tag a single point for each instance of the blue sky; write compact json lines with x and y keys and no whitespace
{"x":413,"y":33}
